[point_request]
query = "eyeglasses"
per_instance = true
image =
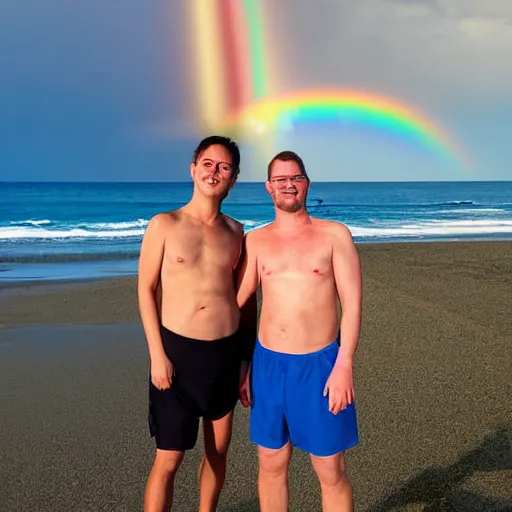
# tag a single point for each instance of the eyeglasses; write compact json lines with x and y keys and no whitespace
{"x":282,"y":180}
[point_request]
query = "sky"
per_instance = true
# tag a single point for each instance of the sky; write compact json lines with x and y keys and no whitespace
{"x":103,"y":91}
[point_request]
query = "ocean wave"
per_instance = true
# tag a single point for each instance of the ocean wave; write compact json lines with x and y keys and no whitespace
{"x":377,"y":228}
{"x":139,"y":223}
{"x":107,"y":230}
{"x":436,"y":228}
{"x":318,"y":204}
{"x":8,"y":233}
{"x":252,"y":223}
{"x":386,"y":229}
{"x":31,"y":222}
{"x":67,"y":257}
{"x":455,"y":203}
{"x":472,"y":210}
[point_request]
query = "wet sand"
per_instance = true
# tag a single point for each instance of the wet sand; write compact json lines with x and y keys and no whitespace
{"x":433,"y":387}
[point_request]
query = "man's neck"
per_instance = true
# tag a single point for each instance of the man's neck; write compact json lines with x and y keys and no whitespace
{"x":289,"y":221}
{"x":205,"y":209}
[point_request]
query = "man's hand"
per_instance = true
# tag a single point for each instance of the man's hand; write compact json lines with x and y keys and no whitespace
{"x":161,"y":372}
{"x":340,"y":387}
{"x":245,"y":389}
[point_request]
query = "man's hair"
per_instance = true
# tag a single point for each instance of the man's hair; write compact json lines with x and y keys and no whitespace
{"x":287,"y":156}
{"x":229,"y":144}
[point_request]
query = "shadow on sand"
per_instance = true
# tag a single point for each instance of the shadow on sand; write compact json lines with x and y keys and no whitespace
{"x":440,"y":489}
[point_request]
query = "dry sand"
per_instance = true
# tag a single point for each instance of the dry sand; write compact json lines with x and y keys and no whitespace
{"x":433,"y":388}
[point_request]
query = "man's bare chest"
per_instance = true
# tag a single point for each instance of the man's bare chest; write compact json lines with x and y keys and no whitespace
{"x":306,"y":257}
{"x":194,"y":248}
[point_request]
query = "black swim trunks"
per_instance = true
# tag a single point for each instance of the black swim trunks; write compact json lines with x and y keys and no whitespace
{"x":205,"y":384}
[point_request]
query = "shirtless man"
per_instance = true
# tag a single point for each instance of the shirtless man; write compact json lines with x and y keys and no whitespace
{"x":191,"y":319}
{"x":301,"y":388}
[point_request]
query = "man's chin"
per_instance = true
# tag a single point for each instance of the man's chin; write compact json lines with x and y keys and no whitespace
{"x":290,"y":207}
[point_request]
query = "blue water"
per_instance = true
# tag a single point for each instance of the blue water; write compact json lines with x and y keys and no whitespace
{"x":52,"y":231}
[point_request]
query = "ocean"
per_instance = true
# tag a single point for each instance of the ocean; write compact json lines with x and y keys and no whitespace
{"x":85,"y":230}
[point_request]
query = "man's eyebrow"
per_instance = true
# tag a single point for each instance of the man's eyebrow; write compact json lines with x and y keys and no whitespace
{"x":210,"y":160}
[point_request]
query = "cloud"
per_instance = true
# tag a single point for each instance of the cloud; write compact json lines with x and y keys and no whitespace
{"x":490,"y":8}
{"x":435,"y":53}
{"x":485,"y":30}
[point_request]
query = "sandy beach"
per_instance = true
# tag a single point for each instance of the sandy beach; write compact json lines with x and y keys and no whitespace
{"x":433,"y":388}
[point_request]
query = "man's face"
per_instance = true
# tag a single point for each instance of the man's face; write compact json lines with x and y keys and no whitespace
{"x":213,"y":173}
{"x":287,"y":186}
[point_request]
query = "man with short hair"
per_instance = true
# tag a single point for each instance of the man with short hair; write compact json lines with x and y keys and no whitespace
{"x":191,"y":319}
{"x":301,"y":388}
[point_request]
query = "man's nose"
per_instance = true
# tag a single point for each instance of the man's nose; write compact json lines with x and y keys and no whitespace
{"x":215,"y":168}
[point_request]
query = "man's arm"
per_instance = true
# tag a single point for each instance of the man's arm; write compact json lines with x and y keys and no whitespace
{"x":150,"y":264}
{"x":347,"y":273}
{"x":247,"y":273}
{"x":247,"y":285}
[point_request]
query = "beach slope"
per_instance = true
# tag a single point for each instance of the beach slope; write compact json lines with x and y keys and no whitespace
{"x":432,"y":377}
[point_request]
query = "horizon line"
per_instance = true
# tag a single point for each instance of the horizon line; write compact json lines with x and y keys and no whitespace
{"x":461,"y":180}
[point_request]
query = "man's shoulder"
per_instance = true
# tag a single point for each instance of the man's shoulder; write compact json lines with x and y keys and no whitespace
{"x":256,"y":238}
{"x":258,"y":233}
{"x":234,"y":224}
{"x":165,"y":218}
{"x":162,"y":221}
{"x":335,"y":229}
{"x":159,"y":226}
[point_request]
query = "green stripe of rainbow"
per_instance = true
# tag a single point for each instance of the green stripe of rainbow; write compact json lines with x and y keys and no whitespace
{"x":345,"y":106}
{"x":253,"y":19}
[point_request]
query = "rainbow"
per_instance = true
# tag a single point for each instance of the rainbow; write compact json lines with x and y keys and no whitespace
{"x":343,"y":107}
{"x":230,"y":58}
{"x":237,"y":100}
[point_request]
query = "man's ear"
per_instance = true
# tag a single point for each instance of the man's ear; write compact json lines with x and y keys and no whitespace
{"x":192,"y":169}
{"x":268,"y":187}
{"x":233,"y":181}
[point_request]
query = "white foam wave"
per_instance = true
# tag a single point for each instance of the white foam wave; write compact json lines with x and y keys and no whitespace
{"x":437,"y":228}
{"x":474,"y":210}
{"x":32,"y":222}
{"x":18,"y":233}
{"x":253,"y":224}
{"x":118,"y":225}
{"x":250,"y":223}
{"x":379,"y":229}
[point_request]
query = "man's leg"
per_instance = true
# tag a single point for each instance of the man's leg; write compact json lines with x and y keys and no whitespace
{"x":334,"y":483}
{"x":160,"y":485}
{"x":273,"y":478}
{"x":317,"y":431}
{"x":212,"y":471}
{"x":268,"y":428}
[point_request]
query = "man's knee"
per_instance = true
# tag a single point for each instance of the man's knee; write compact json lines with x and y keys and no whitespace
{"x":217,"y":459}
{"x":217,"y":438}
{"x":216,"y":451}
{"x":330,"y":470}
{"x":274,"y":462}
{"x":167,"y":462}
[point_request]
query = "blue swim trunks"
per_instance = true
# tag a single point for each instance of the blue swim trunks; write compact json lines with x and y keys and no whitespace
{"x":288,"y":403}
